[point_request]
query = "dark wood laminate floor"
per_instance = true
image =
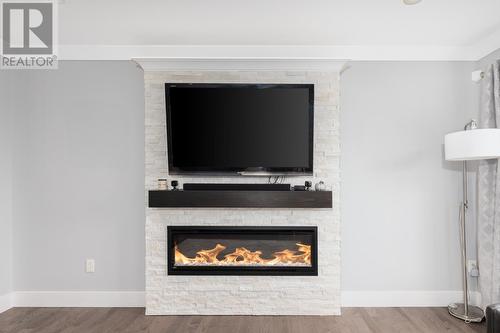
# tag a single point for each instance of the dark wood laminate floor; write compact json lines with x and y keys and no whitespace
{"x":355,"y":320}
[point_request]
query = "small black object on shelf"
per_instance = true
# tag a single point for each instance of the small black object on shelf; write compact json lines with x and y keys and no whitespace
{"x":308,"y":185}
{"x":174,"y":184}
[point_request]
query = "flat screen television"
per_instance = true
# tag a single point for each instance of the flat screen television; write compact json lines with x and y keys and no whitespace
{"x":240,"y":129}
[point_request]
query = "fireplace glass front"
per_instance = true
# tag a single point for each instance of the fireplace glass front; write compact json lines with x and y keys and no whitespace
{"x":203,"y":250}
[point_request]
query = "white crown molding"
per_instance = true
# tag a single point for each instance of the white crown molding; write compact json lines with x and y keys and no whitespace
{"x":304,"y":52}
{"x":241,"y":64}
{"x":486,"y":45}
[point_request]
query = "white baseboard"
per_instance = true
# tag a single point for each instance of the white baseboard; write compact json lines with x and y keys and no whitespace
{"x":393,"y":298}
{"x":5,"y":302}
{"x":79,"y":299}
{"x":137,"y":299}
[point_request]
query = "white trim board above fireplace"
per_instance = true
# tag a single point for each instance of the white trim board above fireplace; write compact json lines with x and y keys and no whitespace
{"x":241,"y":64}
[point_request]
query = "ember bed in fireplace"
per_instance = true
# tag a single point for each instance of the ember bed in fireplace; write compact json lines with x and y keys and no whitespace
{"x":203,"y":250}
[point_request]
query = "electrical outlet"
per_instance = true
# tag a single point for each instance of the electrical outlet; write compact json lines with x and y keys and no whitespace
{"x":90,"y":266}
{"x":472,"y":268}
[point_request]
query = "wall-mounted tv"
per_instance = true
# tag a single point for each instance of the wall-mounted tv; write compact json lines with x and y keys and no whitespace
{"x":240,"y":129}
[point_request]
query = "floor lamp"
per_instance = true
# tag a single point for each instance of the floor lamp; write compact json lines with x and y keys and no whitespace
{"x":467,"y":145}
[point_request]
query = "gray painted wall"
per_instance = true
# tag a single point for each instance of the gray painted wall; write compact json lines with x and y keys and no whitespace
{"x":79,"y":170}
{"x":5,"y":184}
{"x":400,"y":198}
{"x":79,"y":178}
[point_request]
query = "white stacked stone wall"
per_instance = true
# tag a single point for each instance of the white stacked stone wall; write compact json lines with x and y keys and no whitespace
{"x":245,"y":295}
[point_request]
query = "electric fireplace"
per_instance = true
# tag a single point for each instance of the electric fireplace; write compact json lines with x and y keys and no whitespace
{"x":205,"y":250}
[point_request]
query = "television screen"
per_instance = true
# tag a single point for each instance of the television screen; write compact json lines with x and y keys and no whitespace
{"x":240,"y":128}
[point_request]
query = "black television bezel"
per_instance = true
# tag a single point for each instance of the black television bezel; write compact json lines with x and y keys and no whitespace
{"x":260,"y":171}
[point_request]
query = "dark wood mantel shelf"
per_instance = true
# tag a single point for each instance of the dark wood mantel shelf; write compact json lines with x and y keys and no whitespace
{"x":240,"y":199}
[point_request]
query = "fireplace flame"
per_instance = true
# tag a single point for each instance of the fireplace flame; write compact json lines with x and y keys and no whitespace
{"x":243,"y":256}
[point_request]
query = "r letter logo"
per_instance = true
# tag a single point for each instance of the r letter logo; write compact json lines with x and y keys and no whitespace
{"x":28,"y":31}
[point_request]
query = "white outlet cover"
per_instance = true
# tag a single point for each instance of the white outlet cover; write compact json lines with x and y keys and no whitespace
{"x":90,"y":266}
{"x":472,"y":268}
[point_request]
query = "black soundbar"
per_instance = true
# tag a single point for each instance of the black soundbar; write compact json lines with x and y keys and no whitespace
{"x":235,"y":187}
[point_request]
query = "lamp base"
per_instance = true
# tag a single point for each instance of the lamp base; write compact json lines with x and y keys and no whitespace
{"x":475,"y":314}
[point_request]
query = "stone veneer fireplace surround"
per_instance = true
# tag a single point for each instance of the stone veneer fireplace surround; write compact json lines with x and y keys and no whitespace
{"x":243,"y":295}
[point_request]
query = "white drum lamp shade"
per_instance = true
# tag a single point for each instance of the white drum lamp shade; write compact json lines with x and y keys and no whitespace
{"x":475,"y":144}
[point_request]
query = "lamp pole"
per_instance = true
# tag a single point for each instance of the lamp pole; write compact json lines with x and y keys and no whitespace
{"x":471,"y":125}
{"x":465,"y":206}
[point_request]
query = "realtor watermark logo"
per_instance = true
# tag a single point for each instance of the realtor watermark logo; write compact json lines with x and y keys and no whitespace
{"x":29,"y":34}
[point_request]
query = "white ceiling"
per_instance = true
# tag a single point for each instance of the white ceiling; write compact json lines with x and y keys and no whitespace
{"x":455,"y":29}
